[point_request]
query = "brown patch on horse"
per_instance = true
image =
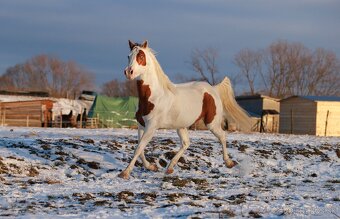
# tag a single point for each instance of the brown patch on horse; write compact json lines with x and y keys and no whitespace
{"x":141,"y":59}
{"x":208,"y":109}
{"x":144,"y":105}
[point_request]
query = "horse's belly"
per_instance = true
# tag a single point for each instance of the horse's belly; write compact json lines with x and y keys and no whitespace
{"x":180,"y":119}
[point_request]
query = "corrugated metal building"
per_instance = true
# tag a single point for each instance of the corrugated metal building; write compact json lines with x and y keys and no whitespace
{"x":260,"y":106}
{"x":314,"y":115}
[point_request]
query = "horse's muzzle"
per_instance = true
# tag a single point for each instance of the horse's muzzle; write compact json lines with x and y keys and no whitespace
{"x":128,"y":72}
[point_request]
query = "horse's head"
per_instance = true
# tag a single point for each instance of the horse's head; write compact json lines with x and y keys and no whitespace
{"x":137,"y":60}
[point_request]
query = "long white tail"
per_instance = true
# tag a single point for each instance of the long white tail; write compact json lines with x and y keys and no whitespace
{"x":232,"y":111}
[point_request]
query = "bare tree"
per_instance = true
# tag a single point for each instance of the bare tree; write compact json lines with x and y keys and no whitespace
{"x":47,"y":73}
{"x":287,"y":69}
{"x":204,"y":63}
{"x":249,"y":63}
{"x":117,"y":88}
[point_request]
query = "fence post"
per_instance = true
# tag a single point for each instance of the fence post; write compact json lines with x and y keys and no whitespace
{"x":326,"y":122}
{"x":27,"y":121}
{"x":61,"y":119}
{"x":291,"y":121}
{"x":98,"y":117}
{"x":4,"y":117}
{"x":81,"y":118}
{"x":1,"y":121}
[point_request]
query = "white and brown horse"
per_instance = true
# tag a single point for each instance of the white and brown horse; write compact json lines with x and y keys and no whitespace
{"x":163,"y":104}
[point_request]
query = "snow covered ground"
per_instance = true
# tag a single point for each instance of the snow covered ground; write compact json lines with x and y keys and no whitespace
{"x":72,"y":173}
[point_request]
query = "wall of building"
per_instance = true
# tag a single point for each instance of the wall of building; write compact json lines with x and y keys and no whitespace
{"x":332,"y":119}
{"x":298,"y":116}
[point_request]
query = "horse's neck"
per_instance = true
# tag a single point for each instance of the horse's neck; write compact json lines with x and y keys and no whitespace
{"x":158,"y":83}
{"x":147,"y":86}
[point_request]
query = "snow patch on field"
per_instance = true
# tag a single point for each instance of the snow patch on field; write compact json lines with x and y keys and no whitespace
{"x":73,"y":173}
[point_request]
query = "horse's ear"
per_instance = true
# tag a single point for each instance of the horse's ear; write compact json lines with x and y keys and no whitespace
{"x":144,"y":44}
{"x":132,"y":44}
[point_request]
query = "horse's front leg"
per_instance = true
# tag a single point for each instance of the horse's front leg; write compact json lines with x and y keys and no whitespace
{"x":146,"y":163}
{"x":146,"y":137}
{"x":184,"y":137}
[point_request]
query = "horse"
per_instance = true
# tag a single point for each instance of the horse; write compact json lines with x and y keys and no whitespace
{"x":68,"y":120}
{"x":82,"y":118}
{"x":163,"y":104}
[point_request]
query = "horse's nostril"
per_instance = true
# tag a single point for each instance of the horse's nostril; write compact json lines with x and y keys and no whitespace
{"x":131,"y":72}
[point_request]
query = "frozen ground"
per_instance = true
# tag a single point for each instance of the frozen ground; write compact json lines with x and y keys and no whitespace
{"x":72,"y":173}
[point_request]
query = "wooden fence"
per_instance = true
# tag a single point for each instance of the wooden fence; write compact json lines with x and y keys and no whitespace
{"x":35,"y":113}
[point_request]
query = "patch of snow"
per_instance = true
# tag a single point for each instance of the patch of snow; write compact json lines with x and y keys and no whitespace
{"x":72,"y":173}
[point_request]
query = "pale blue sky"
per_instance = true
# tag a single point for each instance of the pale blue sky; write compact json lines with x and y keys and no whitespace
{"x":95,"y":33}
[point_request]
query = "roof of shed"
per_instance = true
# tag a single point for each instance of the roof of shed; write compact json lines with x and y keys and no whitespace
{"x":316,"y":98}
{"x":255,"y":96}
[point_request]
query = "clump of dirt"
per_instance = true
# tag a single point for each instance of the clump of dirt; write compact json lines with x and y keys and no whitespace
{"x":83,"y":197}
{"x":32,"y":172}
{"x":263,"y":153}
{"x":174,"y":196}
{"x":90,"y":164}
{"x":175,"y":181}
{"x":3,"y":168}
{"x":194,"y":204}
{"x":46,"y":147}
{"x":200,"y":181}
{"x":162,"y":162}
{"x":334,"y":181}
{"x":169,"y":155}
{"x":180,"y":182}
{"x":227,"y":213}
{"x":337,"y":151}
{"x":254,"y":214}
{"x":242,"y":147}
{"x":93,"y":165}
{"x":61,"y":153}
{"x":237,"y":199}
{"x":51,"y":181}
{"x":101,"y":203}
{"x":148,"y":196}
{"x":131,"y":141}
{"x":125,"y":196}
{"x":167,"y":141}
{"x":289,"y":152}
{"x":87,"y":141}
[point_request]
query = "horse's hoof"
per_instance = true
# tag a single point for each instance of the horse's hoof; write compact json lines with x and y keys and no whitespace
{"x":153,"y":167}
{"x":230,"y":163}
{"x":123,"y":175}
{"x":169,"y":171}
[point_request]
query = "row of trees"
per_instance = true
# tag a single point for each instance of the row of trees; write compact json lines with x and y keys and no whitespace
{"x":285,"y":69}
{"x":49,"y":74}
{"x":280,"y":70}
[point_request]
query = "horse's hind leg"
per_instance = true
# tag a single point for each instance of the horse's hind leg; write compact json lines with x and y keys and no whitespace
{"x":146,"y":163}
{"x":185,"y":142}
{"x":220,"y":134}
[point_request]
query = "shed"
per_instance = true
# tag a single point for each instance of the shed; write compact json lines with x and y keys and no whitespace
{"x":114,"y":112}
{"x":313,"y":115}
{"x":264,"y":109}
{"x":33,"y":113}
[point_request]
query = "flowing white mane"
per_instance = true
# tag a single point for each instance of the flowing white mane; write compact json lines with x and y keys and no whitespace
{"x":162,"y":77}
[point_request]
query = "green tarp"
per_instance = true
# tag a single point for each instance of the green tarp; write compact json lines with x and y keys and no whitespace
{"x":114,"y":112}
